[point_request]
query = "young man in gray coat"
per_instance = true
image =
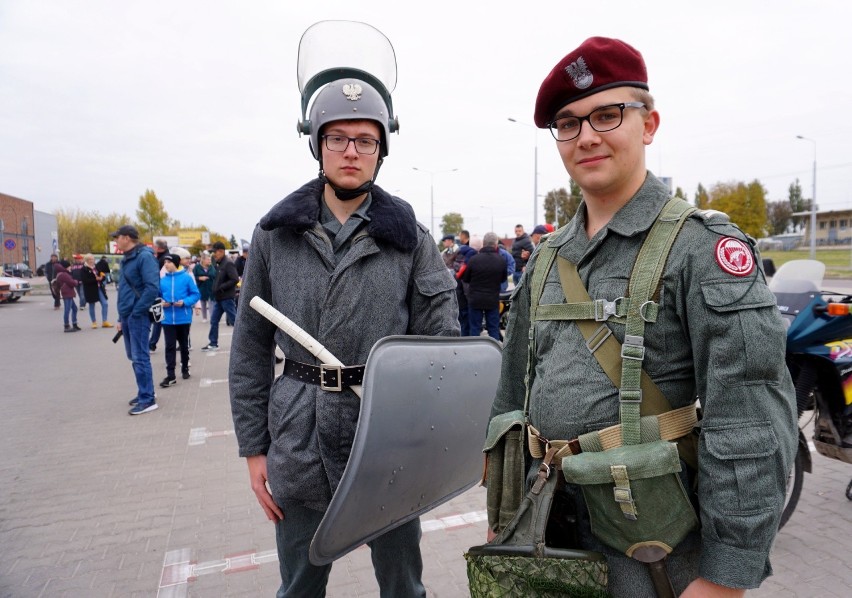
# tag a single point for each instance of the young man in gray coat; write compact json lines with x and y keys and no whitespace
{"x":717,"y":336}
{"x":348,"y":263}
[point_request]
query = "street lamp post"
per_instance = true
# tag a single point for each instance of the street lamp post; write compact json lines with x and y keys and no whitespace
{"x":492,"y":216}
{"x":432,"y":174}
{"x":813,"y":200}
{"x":535,"y":169}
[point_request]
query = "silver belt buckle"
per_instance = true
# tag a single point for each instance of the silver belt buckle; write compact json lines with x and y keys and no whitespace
{"x":327,"y":367}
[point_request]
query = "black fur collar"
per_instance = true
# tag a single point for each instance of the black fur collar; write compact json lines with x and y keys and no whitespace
{"x":391,"y":219}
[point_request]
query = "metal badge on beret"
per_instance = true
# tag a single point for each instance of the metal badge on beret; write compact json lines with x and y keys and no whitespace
{"x":580,"y":74}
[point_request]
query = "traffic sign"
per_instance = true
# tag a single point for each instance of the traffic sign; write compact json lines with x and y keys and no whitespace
{"x":9,"y":244}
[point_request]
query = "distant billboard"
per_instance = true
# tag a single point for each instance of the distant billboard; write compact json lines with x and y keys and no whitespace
{"x":187,"y":238}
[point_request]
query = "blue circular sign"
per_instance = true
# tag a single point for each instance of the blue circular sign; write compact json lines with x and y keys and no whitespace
{"x":9,"y":244}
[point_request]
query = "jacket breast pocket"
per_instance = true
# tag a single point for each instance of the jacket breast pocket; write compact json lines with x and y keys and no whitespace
{"x":432,"y":283}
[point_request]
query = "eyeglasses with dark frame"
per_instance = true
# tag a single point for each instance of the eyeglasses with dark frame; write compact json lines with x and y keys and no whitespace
{"x":363,"y":145}
{"x":603,"y":119}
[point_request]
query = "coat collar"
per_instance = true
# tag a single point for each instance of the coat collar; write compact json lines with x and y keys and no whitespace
{"x":391,"y":219}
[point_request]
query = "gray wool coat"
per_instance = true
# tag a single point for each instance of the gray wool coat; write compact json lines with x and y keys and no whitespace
{"x":391,"y":281}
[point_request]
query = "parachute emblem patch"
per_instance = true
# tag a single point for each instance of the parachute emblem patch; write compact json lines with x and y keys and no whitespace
{"x":734,"y":256}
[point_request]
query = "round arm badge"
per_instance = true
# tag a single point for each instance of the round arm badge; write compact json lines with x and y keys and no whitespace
{"x":734,"y":256}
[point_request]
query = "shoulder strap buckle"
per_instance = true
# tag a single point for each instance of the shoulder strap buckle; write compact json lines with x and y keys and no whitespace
{"x":605,"y":309}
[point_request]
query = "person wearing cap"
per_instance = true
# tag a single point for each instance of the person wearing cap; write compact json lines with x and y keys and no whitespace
{"x":448,"y":253}
{"x":717,"y":336}
{"x":138,"y":288}
{"x":180,"y":294}
{"x":349,"y":263}
{"x":224,"y":291}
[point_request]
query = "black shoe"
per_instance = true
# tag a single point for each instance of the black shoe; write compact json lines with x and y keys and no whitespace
{"x":210,"y":347}
{"x":185,"y":374}
{"x":152,"y":348}
{"x":168,"y":381}
{"x":68,"y":328}
{"x":75,"y":328}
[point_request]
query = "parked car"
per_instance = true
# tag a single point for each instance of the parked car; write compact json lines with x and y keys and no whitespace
{"x":18,"y":287}
{"x":20,"y":270}
{"x":4,"y":292}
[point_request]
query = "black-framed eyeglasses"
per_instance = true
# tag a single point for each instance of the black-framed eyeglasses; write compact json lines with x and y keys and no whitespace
{"x":363,"y":145}
{"x":603,"y":119}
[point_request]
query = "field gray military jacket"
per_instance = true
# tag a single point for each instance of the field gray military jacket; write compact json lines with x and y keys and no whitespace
{"x":391,"y":281}
{"x":718,"y":338}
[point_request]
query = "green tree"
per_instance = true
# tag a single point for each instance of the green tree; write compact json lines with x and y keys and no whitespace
{"x":798,"y":204}
{"x":702,"y":198}
{"x":232,"y":241}
{"x":85,"y":232}
{"x":560,"y":205}
{"x":744,"y":204}
{"x":778,"y":216}
{"x":152,"y":218}
{"x":452,"y":223}
{"x":679,"y":193}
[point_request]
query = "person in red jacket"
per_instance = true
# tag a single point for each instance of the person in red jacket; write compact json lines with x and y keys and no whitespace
{"x":67,"y":290}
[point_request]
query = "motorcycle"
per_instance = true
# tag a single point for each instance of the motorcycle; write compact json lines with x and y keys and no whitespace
{"x":819,"y":357}
{"x":505,"y":304}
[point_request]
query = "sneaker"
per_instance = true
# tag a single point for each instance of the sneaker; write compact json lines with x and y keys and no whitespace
{"x":94,"y":324}
{"x":168,"y":381}
{"x":135,"y":400}
{"x":140,"y":409}
{"x":106,"y":325}
{"x":185,"y":374}
{"x":75,"y":328}
{"x":68,"y":328}
{"x":210,"y":347}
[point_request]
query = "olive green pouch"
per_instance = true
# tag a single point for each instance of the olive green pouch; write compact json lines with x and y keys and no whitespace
{"x":506,"y":469}
{"x":634,"y":495}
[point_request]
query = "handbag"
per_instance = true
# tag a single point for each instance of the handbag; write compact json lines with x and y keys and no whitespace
{"x":527,"y":558}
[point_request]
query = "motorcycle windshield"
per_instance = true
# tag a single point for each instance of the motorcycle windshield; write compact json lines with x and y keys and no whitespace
{"x":798,"y":276}
{"x":331,"y":50}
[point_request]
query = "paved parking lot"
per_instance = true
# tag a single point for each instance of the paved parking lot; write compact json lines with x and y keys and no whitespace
{"x":94,"y":502}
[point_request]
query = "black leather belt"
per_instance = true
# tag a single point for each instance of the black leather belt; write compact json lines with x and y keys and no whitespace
{"x":328,"y":377}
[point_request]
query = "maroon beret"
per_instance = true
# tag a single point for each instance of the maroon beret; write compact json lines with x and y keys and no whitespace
{"x":599,"y":63}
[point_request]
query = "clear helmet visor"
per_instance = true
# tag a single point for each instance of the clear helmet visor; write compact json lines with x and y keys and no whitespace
{"x":332,"y":50}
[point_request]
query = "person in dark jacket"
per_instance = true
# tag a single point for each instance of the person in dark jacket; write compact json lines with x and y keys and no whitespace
{"x":224,"y":291}
{"x":137,"y":291}
{"x":94,"y":290}
{"x":350,"y":264}
{"x":67,"y":290}
{"x":462,"y":257}
{"x":76,"y":272}
{"x":49,"y":275}
{"x":205,"y":276}
{"x":484,"y":273}
{"x":161,"y":252}
{"x":521,"y":244}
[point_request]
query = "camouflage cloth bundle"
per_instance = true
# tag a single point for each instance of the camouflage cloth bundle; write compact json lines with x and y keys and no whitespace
{"x":519,"y":563}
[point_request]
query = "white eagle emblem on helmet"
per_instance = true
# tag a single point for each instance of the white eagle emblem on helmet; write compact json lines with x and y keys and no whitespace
{"x":352,"y":91}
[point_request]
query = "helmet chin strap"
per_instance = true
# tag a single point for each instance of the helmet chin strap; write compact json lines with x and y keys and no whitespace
{"x":350,"y":194}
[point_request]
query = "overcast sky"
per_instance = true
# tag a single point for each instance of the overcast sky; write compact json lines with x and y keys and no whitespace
{"x":198,"y":100}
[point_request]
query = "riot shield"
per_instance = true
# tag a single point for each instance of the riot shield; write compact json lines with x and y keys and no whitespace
{"x":424,"y":414}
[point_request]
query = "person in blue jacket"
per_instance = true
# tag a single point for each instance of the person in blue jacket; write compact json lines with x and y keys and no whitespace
{"x":180,"y":294}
